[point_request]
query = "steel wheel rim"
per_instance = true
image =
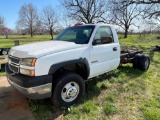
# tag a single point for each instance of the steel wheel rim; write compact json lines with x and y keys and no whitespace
{"x":70,"y":91}
{"x":146,"y":63}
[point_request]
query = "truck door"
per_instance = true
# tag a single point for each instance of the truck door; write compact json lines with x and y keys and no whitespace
{"x":104,"y":53}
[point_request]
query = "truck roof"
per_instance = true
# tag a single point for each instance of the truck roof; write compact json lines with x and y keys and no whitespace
{"x":95,"y":24}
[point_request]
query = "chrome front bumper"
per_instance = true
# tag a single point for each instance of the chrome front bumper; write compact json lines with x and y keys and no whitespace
{"x":38,"y":92}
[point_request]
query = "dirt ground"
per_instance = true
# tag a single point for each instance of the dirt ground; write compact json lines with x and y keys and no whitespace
{"x":3,"y":60}
{"x":13,"y":106}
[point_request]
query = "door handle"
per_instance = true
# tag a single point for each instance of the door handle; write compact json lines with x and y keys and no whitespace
{"x":115,"y":49}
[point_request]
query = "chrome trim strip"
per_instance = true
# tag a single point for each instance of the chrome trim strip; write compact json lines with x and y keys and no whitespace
{"x":14,"y":65}
{"x":27,"y":67}
{"x":15,"y":58}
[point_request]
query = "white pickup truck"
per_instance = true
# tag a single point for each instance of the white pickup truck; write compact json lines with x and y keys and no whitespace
{"x":59,"y":68}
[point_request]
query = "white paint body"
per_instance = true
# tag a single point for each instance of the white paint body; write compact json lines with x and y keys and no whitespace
{"x":52,"y":52}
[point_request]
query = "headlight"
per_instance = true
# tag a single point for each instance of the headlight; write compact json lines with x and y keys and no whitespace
{"x":28,"y":61}
{"x":27,"y":66}
{"x":27,"y":72}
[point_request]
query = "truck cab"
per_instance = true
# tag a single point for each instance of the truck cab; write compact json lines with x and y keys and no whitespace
{"x":59,"y":68}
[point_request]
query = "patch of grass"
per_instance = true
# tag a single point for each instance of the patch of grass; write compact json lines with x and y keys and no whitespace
{"x":110,"y":97}
{"x":105,"y":85}
{"x":24,"y":39}
{"x":86,"y":110}
{"x":151,"y":109}
{"x":152,"y":114}
{"x":43,"y":109}
{"x":152,"y":103}
{"x":2,"y":73}
{"x":109,"y":108}
{"x":92,"y":89}
{"x":89,"y":107}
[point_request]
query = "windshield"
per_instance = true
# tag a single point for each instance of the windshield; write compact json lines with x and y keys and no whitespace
{"x":77,"y":34}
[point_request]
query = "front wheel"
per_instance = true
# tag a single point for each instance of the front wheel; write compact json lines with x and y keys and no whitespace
{"x":69,"y":90}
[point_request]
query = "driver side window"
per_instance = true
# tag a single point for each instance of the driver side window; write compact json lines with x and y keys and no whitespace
{"x":103,"y":35}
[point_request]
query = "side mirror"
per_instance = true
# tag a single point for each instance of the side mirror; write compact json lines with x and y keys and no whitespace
{"x":96,"y":41}
{"x":105,"y":40}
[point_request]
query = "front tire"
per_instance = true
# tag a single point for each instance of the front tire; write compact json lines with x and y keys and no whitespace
{"x":69,"y":90}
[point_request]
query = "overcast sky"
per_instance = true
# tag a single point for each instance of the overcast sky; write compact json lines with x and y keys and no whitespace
{"x":9,"y":9}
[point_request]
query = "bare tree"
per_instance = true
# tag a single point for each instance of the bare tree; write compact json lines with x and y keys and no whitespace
{"x":86,"y":11}
{"x":154,"y":20}
{"x":145,"y":1}
{"x":49,"y":18}
{"x":158,"y":25}
{"x":5,"y":31}
{"x":65,"y":20}
{"x":1,"y":22}
{"x":40,"y":29}
{"x":150,"y":4}
{"x":28,"y":17}
{"x":124,"y":15}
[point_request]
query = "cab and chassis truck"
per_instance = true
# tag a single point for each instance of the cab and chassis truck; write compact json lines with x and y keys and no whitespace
{"x":58,"y":69}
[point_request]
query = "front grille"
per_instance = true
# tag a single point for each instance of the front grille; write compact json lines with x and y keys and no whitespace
{"x":14,"y":64}
{"x":13,"y":68}
{"x":14,"y":59}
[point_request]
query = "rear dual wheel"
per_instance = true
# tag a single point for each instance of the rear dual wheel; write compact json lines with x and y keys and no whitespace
{"x":141,"y":62}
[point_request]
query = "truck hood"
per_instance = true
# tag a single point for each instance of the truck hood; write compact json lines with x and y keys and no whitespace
{"x":42,"y":48}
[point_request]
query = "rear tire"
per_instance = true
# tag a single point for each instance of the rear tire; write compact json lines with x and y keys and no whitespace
{"x":136,"y":61}
{"x":69,"y":90}
{"x":144,"y":62}
{"x":141,"y":62}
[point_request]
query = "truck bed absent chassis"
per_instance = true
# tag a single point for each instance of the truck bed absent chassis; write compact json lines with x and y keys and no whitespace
{"x":128,"y":55}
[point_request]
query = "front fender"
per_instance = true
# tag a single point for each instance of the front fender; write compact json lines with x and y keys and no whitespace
{"x":57,"y":66}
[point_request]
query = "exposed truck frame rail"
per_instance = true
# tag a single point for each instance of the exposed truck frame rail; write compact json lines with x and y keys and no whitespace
{"x":128,"y":55}
{"x":134,"y":56}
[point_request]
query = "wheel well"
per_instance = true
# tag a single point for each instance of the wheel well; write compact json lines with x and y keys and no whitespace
{"x":79,"y":68}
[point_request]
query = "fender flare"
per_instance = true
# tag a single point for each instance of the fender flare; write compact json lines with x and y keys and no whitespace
{"x":57,"y":66}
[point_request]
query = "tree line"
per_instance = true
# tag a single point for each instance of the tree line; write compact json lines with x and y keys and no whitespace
{"x":124,"y":13}
{"x":30,"y":20}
